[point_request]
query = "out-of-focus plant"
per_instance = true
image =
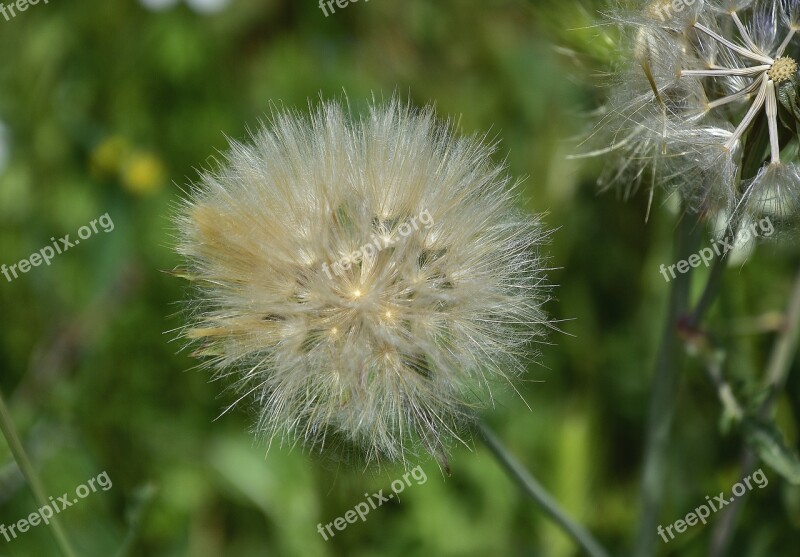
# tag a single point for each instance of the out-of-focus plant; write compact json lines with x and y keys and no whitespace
{"x":705,"y":110}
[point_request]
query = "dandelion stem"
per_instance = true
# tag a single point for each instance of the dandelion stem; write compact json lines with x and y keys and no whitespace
{"x":783,"y":352}
{"x":713,"y":283}
{"x":27,"y":469}
{"x":725,"y":526}
{"x":664,"y":387}
{"x":780,"y":362}
{"x":539,"y":494}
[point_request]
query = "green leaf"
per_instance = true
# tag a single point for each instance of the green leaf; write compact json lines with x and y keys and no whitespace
{"x":787,"y":95}
{"x":767,"y":442}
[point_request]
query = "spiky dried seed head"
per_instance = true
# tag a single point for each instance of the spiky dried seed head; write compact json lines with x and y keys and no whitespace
{"x":364,"y":281}
{"x":783,"y":69}
{"x":685,"y":114}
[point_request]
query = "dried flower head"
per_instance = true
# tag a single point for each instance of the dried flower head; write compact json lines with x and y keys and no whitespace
{"x":364,"y":281}
{"x":708,"y":107}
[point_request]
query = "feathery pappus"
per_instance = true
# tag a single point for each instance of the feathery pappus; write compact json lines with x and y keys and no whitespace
{"x":363,"y":282}
{"x":707,"y":106}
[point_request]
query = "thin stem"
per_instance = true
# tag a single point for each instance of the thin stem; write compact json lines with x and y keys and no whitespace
{"x":783,"y":352}
{"x":539,"y":494}
{"x":780,"y":362}
{"x":743,"y":32}
{"x":751,"y":114}
{"x":772,"y":119}
{"x":715,"y":361}
{"x":136,"y":514}
{"x":733,"y":46}
{"x":721,"y":72}
{"x":614,"y":146}
{"x":27,"y":469}
{"x":712,"y":287}
{"x":740,"y":94}
{"x":786,"y":41}
{"x":723,"y":530}
{"x":663,"y":394}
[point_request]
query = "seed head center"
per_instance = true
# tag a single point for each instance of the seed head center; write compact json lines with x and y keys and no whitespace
{"x":783,"y":69}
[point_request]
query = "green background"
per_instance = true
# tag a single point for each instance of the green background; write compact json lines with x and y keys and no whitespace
{"x":110,"y":107}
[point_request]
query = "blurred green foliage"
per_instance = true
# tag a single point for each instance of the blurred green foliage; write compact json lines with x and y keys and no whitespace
{"x":111,"y":107}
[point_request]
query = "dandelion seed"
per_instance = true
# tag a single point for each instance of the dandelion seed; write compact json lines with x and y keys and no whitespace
{"x":775,"y":191}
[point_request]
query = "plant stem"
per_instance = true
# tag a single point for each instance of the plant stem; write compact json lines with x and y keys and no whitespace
{"x":723,"y":531}
{"x":710,"y":292}
{"x":539,"y":494}
{"x":783,"y":352}
{"x":27,"y":469}
{"x":780,"y":362}
{"x":664,"y":389}
{"x":142,"y":502}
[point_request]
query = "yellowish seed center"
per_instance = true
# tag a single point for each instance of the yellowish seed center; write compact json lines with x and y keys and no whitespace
{"x":782,"y":70}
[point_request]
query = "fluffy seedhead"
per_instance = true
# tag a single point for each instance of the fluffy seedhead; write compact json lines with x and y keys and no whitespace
{"x":707,"y":107}
{"x":363,"y":282}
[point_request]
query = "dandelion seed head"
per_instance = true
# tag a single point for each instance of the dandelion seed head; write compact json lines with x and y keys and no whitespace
{"x":733,"y":90}
{"x":375,"y":355}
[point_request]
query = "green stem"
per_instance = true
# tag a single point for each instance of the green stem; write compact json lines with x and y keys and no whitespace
{"x":27,"y":469}
{"x":780,"y":362}
{"x":539,"y":494}
{"x":722,"y":535}
{"x":664,"y":391}
{"x":783,"y":352}
{"x":710,"y":292}
{"x":142,"y":501}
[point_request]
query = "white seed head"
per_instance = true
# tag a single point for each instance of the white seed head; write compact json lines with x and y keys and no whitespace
{"x":365,"y":282}
{"x":688,"y":129}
